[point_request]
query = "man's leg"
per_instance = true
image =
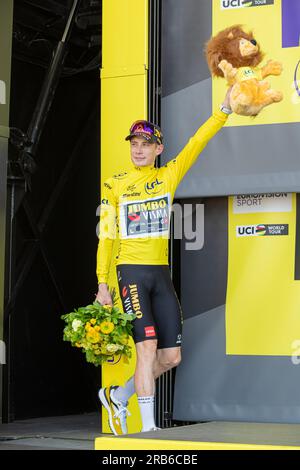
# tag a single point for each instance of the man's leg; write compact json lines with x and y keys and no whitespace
{"x":124,"y":393}
{"x":151,"y":363}
{"x":144,"y":381}
{"x":166,"y":359}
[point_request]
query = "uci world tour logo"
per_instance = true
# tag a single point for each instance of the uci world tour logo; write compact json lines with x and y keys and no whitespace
{"x":261,"y":230}
{"x":230,"y":4}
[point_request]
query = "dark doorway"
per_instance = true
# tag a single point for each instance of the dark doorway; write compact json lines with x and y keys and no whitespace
{"x":51,"y":241}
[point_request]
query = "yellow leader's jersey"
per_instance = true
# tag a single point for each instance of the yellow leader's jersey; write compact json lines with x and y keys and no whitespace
{"x":136,"y":206}
{"x":247,"y":73}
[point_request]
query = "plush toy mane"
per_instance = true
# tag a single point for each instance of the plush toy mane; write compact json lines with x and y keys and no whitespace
{"x":223,"y":47}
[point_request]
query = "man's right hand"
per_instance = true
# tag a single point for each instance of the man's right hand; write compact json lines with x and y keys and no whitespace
{"x":103,"y":296}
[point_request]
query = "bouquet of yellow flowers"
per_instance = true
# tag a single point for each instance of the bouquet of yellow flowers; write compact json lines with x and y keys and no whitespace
{"x":100,"y":331}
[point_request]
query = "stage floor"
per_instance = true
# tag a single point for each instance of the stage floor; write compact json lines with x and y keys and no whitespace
{"x":83,"y":432}
{"x":75,"y":432}
{"x":210,"y":436}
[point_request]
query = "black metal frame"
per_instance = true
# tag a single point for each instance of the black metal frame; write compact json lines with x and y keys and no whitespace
{"x":28,"y":143}
{"x":19,"y":176}
{"x":154,"y":76}
{"x":6,"y":20}
{"x":3,"y":195}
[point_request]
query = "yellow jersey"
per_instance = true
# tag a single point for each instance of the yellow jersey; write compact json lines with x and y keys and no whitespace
{"x":248,"y":73}
{"x":136,"y":206}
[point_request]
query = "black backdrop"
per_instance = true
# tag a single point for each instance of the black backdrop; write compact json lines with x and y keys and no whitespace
{"x":51,"y":266}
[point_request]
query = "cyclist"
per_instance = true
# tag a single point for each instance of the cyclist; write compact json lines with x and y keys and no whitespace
{"x":137,"y":205}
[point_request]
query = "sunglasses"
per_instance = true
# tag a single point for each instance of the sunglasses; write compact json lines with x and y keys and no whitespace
{"x":148,"y":129}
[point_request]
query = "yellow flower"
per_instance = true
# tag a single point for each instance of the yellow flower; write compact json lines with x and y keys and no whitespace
{"x":97,"y":328}
{"x":76,"y":324}
{"x":112,"y":348}
{"x":78,"y":345}
{"x":93,"y":336}
{"x":104,"y":351}
{"x":123,"y":339}
{"x":107,"y":307}
{"x":93,"y":321}
{"x":87,"y":326}
{"x":106,"y":327}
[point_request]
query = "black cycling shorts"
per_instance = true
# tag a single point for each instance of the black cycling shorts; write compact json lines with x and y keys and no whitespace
{"x":148,"y":291}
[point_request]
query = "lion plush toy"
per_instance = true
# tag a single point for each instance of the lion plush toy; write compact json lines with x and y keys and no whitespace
{"x":235,"y":55}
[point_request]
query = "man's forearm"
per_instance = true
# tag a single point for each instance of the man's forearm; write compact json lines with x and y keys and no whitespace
{"x":104,"y":255}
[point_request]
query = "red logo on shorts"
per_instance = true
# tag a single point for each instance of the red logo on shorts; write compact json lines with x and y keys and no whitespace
{"x":124,"y":291}
{"x":149,"y":331}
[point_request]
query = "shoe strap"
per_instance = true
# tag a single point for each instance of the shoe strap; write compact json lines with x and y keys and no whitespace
{"x":120,"y":410}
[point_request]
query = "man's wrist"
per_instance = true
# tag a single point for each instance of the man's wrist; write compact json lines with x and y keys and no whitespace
{"x":225,"y":109}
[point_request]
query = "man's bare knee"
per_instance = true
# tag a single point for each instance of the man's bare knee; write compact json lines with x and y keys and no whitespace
{"x":169,"y":359}
{"x":146,"y":349}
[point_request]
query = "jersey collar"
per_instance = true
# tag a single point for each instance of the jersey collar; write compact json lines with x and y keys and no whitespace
{"x":144,"y":169}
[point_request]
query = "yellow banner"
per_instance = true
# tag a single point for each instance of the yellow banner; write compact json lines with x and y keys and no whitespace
{"x":263,"y":298}
{"x":275,"y":29}
{"x":123,"y":101}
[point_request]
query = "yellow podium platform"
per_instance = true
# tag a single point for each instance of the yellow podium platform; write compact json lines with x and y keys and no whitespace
{"x":209,"y":436}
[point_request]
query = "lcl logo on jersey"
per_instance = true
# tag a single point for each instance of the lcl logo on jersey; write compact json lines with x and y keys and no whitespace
{"x":152,"y":188}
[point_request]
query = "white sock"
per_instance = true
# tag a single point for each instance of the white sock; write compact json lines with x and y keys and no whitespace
{"x":124,"y":393}
{"x":146,"y":405}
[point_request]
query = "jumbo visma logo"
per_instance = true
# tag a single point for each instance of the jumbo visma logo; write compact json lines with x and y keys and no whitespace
{"x":230,"y":4}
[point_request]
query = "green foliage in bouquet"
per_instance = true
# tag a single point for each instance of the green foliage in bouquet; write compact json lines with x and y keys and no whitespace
{"x":100,"y":331}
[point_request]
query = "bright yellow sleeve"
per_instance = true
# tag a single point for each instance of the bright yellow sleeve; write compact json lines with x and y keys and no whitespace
{"x":107,"y":230}
{"x":189,"y":154}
